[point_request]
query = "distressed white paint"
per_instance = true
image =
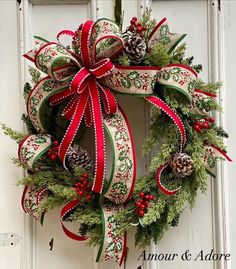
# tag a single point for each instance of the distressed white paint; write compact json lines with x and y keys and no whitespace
{"x":203,"y":228}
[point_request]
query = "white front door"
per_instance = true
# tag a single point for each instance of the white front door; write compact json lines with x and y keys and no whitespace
{"x":18,"y":24}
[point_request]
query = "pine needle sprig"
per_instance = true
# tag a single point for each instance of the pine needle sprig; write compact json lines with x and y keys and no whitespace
{"x":15,"y":135}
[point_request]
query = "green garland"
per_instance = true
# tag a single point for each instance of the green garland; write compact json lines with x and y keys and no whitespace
{"x":164,"y":211}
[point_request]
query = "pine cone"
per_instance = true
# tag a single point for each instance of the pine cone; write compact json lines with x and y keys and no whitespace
{"x":76,"y":156}
{"x":134,"y":46}
{"x":182,"y":164}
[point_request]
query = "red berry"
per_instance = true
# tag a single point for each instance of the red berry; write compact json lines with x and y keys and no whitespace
{"x":136,"y":211}
{"x":144,"y":28}
{"x":147,"y":197}
{"x":211,"y":120}
{"x":145,"y":203}
{"x":142,"y":194}
{"x":58,"y":147}
{"x":151,"y":197}
{"x":80,"y":193}
{"x":132,"y":22}
{"x":85,"y":183}
{"x":197,"y":128}
{"x":138,"y":204}
{"x":143,"y":206}
{"x":55,"y":143}
{"x":131,"y":28}
{"x":140,"y":201}
{"x":53,"y":157}
{"x":88,"y":197}
{"x":205,"y":125}
{"x":139,"y":29}
{"x":199,"y":123}
{"x":134,"y":19}
{"x":85,"y":175}
{"x":141,"y":213}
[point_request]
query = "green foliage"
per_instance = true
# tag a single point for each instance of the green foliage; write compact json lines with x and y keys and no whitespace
{"x":178,"y":54}
{"x":17,"y":136}
{"x":28,"y":123}
{"x":118,"y":9}
{"x":123,"y":59}
{"x":158,"y":56}
{"x":221,"y":132}
{"x":148,"y":22}
{"x":18,"y":163}
{"x":27,"y":89}
{"x":212,"y":87}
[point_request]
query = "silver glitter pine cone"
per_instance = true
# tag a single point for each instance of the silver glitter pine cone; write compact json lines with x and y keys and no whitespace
{"x":77,"y":156}
{"x":134,"y":47}
{"x":181,"y":164}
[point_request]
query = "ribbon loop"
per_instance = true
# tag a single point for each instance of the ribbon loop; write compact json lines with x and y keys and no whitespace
{"x":56,"y":61}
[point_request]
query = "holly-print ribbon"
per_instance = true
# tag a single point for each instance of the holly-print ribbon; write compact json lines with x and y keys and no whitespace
{"x":113,"y":245}
{"x":32,"y":198}
{"x":212,"y":151}
{"x":32,"y":147}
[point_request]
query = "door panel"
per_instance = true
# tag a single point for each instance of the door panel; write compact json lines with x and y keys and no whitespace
{"x":195,"y":228}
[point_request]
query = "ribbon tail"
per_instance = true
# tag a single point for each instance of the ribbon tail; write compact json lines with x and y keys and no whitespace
{"x":159,"y":184}
{"x":73,"y":127}
{"x":99,"y":137}
{"x":123,"y":157}
{"x":165,"y":108}
{"x":113,"y":246}
{"x":88,"y":118}
{"x":109,"y":100}
{"x":68,"y":208}
{"x":69,"y":110}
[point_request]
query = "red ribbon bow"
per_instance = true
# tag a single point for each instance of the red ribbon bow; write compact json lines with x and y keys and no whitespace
{"x":85,"y":94}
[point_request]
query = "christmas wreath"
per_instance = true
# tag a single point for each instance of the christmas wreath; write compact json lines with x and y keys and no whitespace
{"x":78,"y":90}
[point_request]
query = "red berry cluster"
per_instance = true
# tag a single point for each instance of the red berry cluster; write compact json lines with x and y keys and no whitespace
{"x":53,"y":152}
{"x":136,"y":26}
{"x":143,"y":203}
{"x":203,"y":124}
{"x":83,"y":188}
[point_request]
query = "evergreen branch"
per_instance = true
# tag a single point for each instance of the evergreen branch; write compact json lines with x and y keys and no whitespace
{"x":18,"y":163}
{"x":158,"y":56}
{"x":15,"y":135}
{"x":207,"y":87}
{"x":28,"y":123}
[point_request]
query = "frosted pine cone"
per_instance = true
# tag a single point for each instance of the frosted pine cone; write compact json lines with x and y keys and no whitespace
{"x":76,"y":156}
{"x":134,"y":46}
{"x":182,"y":164}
